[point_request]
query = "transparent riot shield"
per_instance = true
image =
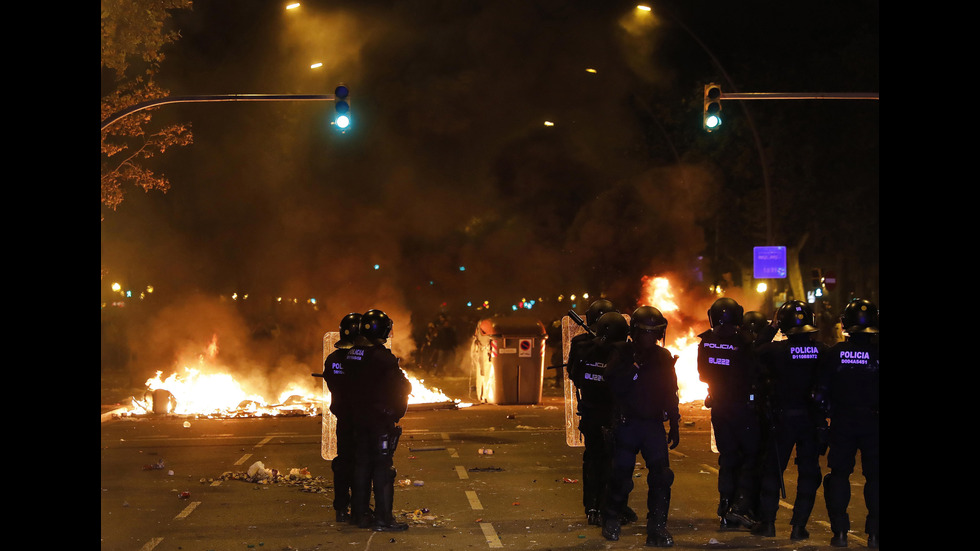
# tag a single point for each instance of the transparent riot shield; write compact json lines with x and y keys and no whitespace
{"x":573,"y":437}
{"x":328,"y":428}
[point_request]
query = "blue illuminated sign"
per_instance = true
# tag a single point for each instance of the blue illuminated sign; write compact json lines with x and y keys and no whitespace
{"x":769,"y":262}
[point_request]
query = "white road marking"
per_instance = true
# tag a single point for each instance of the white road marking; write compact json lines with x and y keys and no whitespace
{"x":187,"y":510}
{"x":492,"y":540}
{"x":474,"y":501}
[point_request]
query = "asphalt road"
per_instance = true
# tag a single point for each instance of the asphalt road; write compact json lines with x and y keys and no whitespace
{"x":171,"y":482}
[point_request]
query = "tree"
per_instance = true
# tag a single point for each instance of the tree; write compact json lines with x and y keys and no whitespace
{"x":134,"y":33}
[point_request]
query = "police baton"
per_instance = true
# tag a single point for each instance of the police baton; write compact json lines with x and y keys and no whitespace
{"x":775,"y":448}
{"x":578,"y":319}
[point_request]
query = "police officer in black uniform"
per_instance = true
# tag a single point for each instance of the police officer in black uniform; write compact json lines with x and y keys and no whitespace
{"x":727,"y":364}
{"x":789,"y":374}
{"x":848,"y":390}
{"x":380,"y":395}
{"x":644,"y":386}
{"x":338,"y":382}
{"x":583,"y":341}
{"x":755,"y":323}
{"x":588,"y":373}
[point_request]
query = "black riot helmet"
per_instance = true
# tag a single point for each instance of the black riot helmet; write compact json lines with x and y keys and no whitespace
{"x":596,"y":310}
{"x":794,"y":317}
{"x":349,"y":328}
{"x":648,"y":318}
{"x":612,"y":327}
{"x":860,"y":316}
{"x":754,"y":321}
{"x":375,"y":328}
{"x":725,"y":312}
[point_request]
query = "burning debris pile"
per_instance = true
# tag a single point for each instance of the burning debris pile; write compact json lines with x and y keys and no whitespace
{"x":218,"y":396}
{"x":211,"y":391}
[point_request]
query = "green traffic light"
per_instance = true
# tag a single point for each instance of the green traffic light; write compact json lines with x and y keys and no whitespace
{"x":342,"y":106}
{"x":712,"y":107}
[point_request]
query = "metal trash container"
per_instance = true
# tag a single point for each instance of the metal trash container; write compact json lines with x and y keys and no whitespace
{"x":507,"y":357}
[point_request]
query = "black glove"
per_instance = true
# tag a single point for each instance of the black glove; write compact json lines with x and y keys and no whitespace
{"x":674,"y":436}
{"x":823,"y":438}
{"x":707,"y":401}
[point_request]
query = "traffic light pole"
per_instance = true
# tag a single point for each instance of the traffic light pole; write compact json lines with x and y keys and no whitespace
{"x":799,"y":95}
{"x":214,"y":98}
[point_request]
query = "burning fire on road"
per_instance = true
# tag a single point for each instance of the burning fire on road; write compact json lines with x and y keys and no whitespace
{"x":208,"y":390}
{"x":657,"y":292}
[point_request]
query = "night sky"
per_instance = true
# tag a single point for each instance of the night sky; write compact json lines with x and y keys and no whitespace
{"x":449,"y":162}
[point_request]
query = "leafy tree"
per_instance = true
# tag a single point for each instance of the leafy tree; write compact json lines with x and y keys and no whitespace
{"x":134,"y":33}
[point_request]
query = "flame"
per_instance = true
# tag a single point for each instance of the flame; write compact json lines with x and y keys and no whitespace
{"x":209,"y":391}
{"x":657,"y":292}
{"x":422,"y":395}
{"x":212,"y":394}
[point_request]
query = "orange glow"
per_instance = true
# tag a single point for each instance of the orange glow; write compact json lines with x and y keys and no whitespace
{"x":658,"y":292}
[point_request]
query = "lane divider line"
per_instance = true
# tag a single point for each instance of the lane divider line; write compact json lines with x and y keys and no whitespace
{"x":263,"y":442}
{"x":492,"y":540}
{"x":187,"y":510}
{"x":151,"y":544}
{"x":474,"y":501}
{"x":243,"y":459}
{"x":461,"y":472}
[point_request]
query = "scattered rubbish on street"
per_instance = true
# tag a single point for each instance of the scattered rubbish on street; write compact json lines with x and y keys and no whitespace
{"x":484,"y":469}
{"x":300,"y":477}
{"x":154,"y":466}
{"x":570,"y":480}
{"x":485,"y":451}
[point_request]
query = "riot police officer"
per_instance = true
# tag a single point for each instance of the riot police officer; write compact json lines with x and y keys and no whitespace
{"x":848,"y":390}
{"x":755,"y":323}
{"x":583,"y":341}
{"x":338,"y":382}
{"x":588,"y":373}
{"x":726,"y":363}
{"x":789,"y":374}
{"x":644,"y":387}
{"x":380,"y":395}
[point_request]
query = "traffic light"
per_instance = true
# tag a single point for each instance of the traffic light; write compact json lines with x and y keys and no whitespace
{"x":816,"y":278}
{"x":342,"y":107}
{"x":712,"y":107}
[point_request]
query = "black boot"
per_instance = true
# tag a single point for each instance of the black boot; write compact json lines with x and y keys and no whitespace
{"x":659,"y":537}
{"x":610,"y":529}
{"x":364,"y":520}
{"x":343,"y":516}
{"x":383,"y":503}
{"x":799,"y":533}
{"x":628,"y":515}
{"x":739,"y":517}
{"x":723,"y":507}
{"x":764,"y":529}
{"x":593,"y":517}
{"x":839,"y":539}
{"x":873,"y":541}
